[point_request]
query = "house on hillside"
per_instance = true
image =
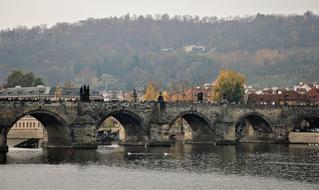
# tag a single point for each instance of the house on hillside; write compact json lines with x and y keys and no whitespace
{"x":285,"y":97}
{"x":313,"y":96}
{"x":290,"y":97}
{"x":194,"y":48}
{"x":303,"y":87}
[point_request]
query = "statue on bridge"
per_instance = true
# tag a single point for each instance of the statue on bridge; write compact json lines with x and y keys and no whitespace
{"x":200,"y":97}
{"x":161,"y":101}
{"x":134,"y":95}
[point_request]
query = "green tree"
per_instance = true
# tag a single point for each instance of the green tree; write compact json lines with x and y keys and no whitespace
{"x":229,"y":86}
{"x":19,"y":78}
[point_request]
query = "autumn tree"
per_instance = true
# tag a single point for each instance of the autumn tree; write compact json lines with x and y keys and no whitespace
{"x":177,"y":97}
{"x":166,"y":95}
{"x":19,"y":78}
{"x":229,"y":86}
{"x":151,"y":92}
{"x":179,"y":89}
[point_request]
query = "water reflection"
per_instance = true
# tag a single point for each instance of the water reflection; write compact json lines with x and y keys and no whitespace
{"x":293,"y":162}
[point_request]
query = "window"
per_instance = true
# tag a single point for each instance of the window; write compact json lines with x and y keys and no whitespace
{"x":27,"y":125}
{"x":23,"y":124}
{"x":33,"y":124}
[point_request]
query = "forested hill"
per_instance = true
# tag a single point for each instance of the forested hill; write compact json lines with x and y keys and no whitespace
{"x":127,"y":52}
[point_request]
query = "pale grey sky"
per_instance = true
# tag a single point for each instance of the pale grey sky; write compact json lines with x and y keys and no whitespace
{"x":35,"y":12}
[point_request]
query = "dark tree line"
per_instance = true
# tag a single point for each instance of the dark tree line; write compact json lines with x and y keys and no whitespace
{"x":18,"y":78}
{"x":132,"y":50}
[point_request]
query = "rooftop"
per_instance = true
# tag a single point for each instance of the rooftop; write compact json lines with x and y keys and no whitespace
{"x":43,"y":91}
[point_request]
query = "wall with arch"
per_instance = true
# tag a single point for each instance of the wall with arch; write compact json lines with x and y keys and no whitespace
{"x":135,"y":128}
{"x":202,"y":130}
{"x":58,"y":131}
{"x":74,"y":124}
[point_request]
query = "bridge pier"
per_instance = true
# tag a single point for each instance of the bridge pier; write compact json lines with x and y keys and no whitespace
{"x":202,"y":135}
{"x":84,"y":136}
{"x":159,"y":132}
{"x":225,"y":133}
{"x":3,"y":141}
{"x":135,"y":134}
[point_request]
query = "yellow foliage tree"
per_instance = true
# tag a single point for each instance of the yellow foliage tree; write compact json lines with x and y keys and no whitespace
{"x":177,"y":97}
{"x":151,"y":92}
{"x":166,"y":95}
{"x":229,"y":86}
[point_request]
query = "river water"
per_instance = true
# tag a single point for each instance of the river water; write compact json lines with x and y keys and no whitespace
{"x":243,"y":166}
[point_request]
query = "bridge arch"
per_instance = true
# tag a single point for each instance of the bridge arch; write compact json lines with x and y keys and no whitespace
{"x":201,"y":128}
{"x":253,"y":127}
{"x":58,"y":131}
{"x":135,"y":129}
{"x":1,"y":123}
{"x":308,"y":123}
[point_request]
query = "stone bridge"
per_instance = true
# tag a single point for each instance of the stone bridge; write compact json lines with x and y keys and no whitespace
{"x":74,"y":124}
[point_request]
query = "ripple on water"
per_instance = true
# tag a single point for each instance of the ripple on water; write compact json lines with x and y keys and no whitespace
{"x":70,"y":176}
{"x":287,"y":166}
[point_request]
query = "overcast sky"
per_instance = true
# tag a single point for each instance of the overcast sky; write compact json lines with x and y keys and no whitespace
{"x":35,"y":12}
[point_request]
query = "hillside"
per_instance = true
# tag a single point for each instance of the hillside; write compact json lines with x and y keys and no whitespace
{"x":127,"y":52}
